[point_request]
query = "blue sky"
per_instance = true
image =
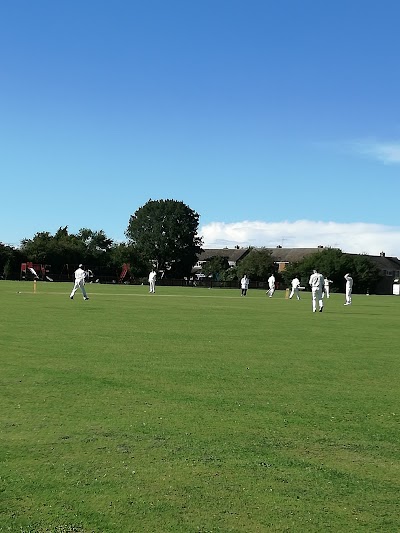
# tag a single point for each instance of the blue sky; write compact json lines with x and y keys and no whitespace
{"x":277,"y":122}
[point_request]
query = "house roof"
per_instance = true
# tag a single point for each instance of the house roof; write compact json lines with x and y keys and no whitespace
{"x":281,"y":255}
{"x":383,"y":262}
{"x":291,"y":255}
{"x":232,"y":254}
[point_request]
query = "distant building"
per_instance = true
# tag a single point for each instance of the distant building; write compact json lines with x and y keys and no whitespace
{"x":285,"y":256}
{"x":232,"y":255}
{"x":389,"y":269}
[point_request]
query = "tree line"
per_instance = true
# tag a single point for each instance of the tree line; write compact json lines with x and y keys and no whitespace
{"x":162,"y":234}
{"x":259,"y":264}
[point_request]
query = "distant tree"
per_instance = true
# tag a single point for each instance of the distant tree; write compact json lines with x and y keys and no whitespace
{"x":215,"y":267}
{"x":10,"y":262}
{"x":38,"y":248}
{"x":126,"y":253}
{"x":334,"y":264}
{"x":230,"y":274}
{"x":66,"y":248}
{"x":164,"y":232}
{"x":365,"y":274}
{"x":4,"y":255}
{"x":88,"y":247}
{"x":329,"y":262}
{"x":97,"y":245}
{"x":54,"y":250}
{"x":258,"y":265}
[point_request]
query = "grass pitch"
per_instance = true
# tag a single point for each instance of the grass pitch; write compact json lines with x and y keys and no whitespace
{"x":197,"y":411}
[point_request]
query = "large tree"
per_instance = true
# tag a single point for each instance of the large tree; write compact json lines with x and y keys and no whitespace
{"x":165,"y":233}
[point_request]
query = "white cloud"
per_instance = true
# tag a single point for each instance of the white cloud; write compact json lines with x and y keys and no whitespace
{"x":386,"y":152}
{"x":357,"y":237}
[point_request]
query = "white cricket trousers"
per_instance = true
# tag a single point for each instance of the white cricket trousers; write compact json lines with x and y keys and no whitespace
{"x":348,"y":296}
{"x":317,"y":297}
{"x":79,"y":284}
{"x":295,"y":291}
{"x":271,"y":291}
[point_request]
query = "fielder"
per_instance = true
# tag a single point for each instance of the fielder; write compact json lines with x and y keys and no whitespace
{"x":295,"y":288}
{"x":271,"y":284}
{"x":349,"y":288}
{"x":326,"y":287}
{"x":152,"y":281}
{"x":80,"y":275}
{"x":317,"y":286}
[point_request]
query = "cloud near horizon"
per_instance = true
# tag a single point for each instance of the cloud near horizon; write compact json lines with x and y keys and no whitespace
{"x":357,"y":237}
{"x":385,"y":152}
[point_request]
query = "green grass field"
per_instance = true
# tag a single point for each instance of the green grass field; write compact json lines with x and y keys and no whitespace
{"x":197,"y":411}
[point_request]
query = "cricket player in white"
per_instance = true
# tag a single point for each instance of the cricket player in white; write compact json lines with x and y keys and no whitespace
{"x":271,"y":284}
{"x":295,"y":288}
{"x":326,"y":287}
{"x":349,"y":288}
{"x":80,"y":275}
{"x":152,"y":281}
{"x":317,"y":286}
